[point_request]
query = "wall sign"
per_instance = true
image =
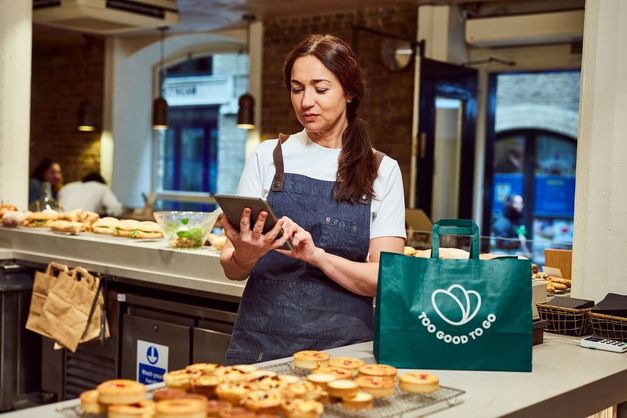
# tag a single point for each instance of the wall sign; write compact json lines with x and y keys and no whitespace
{"x":199,"y":90}
{"x":152,"y":362}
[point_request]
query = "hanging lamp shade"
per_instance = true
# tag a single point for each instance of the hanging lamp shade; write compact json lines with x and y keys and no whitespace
{"x":86,"y":117}
{"x":159,"y":114}
{"x":246,"y":112}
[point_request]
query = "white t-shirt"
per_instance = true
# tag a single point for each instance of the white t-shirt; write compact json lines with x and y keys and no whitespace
{"x":303,"y":156}
{"x":92,"y":196}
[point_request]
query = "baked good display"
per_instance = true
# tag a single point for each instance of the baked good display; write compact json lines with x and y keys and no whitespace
{"x":13,"y":219}
{"x":419,"y":382}
{"x":41,"y":219}
{"x":347,"y":363}
{"x":6,"y":208}
{"x":321,"y":379}
{"x":66,"y":227}
{"x":361,"y":400}
{"x":179,"y":379}
{"x":378,"y":370}
{"x":335,"y":371}
{"x":377,"y":386}
{"x":106,"y":226}
{"x":141,"y":409}
{"x":342,"y":388}
{"x":205,"y":384}
{"x":262,"y":401}
{"x":181,"y":408}
{"x":203,"y":368}
{"x":232,"y":392}
{"x":121,"y":391}
{"x":271,"y":383}
{"x":301,"y":408}
{"x":214,"y":407}
{"x":302,"y":389}
{"x":90,"y":404}
{"x":310,"y":359}
{"x":163,"y":394}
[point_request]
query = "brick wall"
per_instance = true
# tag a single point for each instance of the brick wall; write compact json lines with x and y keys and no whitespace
{"x":388,"y":103}
{"x":63,"y":75}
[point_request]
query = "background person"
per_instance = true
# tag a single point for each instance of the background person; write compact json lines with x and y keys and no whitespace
{"x":90,"y":194}
{"x":340,"y":204}
{"x":509,"y":229}
{"x":47,"y":171}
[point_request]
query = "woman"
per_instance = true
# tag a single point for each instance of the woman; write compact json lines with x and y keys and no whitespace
{"x":341,"y":204}
{"x":47,"y":171}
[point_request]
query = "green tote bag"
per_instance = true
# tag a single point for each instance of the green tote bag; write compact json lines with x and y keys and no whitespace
{"x":472,"y":314}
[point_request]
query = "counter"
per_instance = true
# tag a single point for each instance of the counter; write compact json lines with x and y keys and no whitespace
{"x":567,"y":381}
{"x":141,"y":260}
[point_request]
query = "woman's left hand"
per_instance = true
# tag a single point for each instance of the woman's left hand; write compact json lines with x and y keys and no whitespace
{"x":303,"y":247}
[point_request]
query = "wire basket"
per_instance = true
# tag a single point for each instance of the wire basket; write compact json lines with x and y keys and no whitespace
{"x":567,"y":321}
{"x":609,"y":326}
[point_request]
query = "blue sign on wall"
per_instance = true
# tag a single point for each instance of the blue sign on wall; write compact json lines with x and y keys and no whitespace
{"x":554,"y":196}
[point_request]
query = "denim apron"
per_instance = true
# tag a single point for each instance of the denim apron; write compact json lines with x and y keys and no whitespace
{"x":289,"y":305}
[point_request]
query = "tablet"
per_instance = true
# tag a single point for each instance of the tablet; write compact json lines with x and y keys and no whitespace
{"x":232,"y":206}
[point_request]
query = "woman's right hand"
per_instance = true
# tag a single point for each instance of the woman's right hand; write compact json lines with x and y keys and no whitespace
{"x":251,"y":244}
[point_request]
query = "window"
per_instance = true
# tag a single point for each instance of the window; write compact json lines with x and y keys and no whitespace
{"x":203,"y":151}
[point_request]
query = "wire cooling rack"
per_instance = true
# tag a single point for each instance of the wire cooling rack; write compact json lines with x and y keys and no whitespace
{"x":399,"y":405}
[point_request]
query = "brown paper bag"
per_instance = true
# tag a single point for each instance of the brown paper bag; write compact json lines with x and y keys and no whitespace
{"x":74,"y":303}
{"x":41,"y":286}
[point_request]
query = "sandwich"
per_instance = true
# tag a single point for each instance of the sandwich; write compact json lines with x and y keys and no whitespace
{"x":128,"y":228}
{"x":6,"y":208}
{"x":67,"y":227}
{"x":144,"y":230}
{"x":72,"y":216}
{"x":41,"y":219}
{"x":107,"y":226}
{"x":14,"y":219}
{"x":88,"y":218}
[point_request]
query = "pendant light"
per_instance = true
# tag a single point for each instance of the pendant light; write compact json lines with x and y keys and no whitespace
{"x":246,"y":112}
{"x":160,"y":106}
{"x":86,"y":115}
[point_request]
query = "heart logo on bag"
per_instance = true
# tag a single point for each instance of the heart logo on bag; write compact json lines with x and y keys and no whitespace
{"x":456,"y":302}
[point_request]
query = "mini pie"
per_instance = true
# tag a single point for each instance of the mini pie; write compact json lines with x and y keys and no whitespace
{"x":232,"y":392}
{"x":203,"y":368}
{"x":163,"y":394}
{"x":179,"y":379}
{"x":288,"y":378}
{"x":302,"y":389}
{"x":321,"y":379}
{"x":270,"y":383}
{"x":310,"y":359}
{"x":301,"y":408}
{"x":181,"y":408}
{"x":262,"y":402}
{"x":231,"y":374}
{"x":141,"y":409}
{"x":121,"y":391}
{"x":237,"y":412}
{"x":361,"y":400}
{"x":377,"y":386}
{"x":348,"y":363}
{"x":205,"y":385}
{"x":214,"y":407}
{"x":260,"y":374}
{"x":419,"y":382}
{"x":335,"y":371}
{"x":90,"y":404}
{"x":245,"y":368}
{"x":342,"y":388}
{"x":378,"y":370}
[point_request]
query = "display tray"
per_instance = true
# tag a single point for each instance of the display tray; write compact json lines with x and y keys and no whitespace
{"x":401,"y":404}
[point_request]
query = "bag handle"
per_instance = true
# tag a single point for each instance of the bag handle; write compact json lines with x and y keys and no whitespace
{"x":455,"y":227}
{"x":54,"y":269}
{"x":81,"y":274}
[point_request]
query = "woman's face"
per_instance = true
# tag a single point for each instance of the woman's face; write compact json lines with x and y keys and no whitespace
{"x":317,"y":95}
{"x":53,"y":174}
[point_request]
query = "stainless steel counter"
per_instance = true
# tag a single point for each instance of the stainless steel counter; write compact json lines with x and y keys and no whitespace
{"x":141,"y":260}
{"x":567,"y":381}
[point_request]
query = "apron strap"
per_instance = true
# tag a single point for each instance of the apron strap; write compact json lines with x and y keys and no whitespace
{"x":277,"y":156}
{"x":378,"y":155}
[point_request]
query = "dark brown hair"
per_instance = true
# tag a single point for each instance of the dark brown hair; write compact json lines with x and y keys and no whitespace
{"x":357,"y":167}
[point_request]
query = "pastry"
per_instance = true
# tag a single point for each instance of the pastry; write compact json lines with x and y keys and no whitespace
{"x":302,"y":389}
{"x":419,"y":382}
{"x":271,"y":383}
{"x":310,"y":359}
{"x":163,"y":394}
{"x":179,"y":379}
{"x":231,"y":374}
{"x":205,"y":385}
{"x":410,"y":251}
{"x":141,"y":409}
{"x":260,"y":374}
{"x":301,"y":408}
{"x":342,"y":388}
{"x":288,"y":378}
{"x":321,"y":379}
{"x":361,"y":400}
{"x":262,"y":401}
{"x":232,"y":392}
{"x":106,"y":225}
{"x":378,"y":370}
{"x":377,"y":386}
{"x":181,"y":408}
{"x":335,"y":371}
{"x":215,"y":406}
{"x":121,"y":391}
{"x":348,"y":363}
{"x":90,"y":404}
{"x":237,"y":412}
{"x":204,"y":368}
